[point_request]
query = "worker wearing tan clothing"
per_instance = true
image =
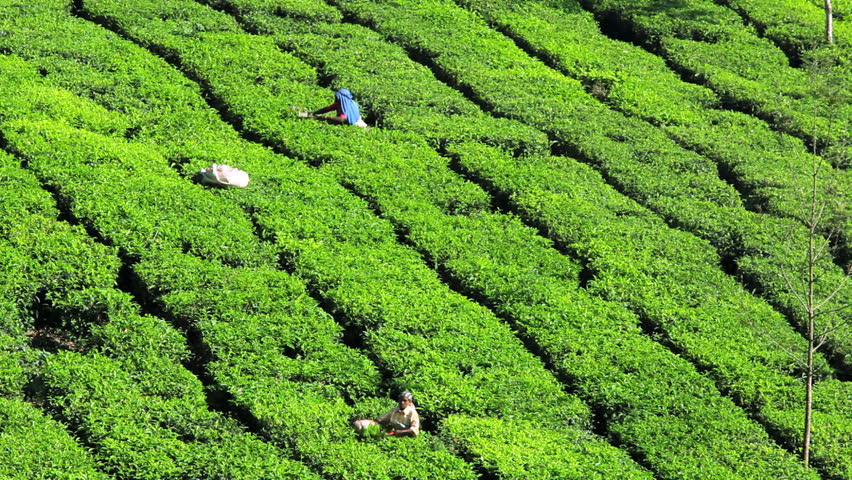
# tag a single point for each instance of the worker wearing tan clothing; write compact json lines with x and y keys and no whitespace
{"x":403,"y":419}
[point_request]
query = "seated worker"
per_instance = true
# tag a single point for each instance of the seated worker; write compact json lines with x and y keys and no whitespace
{"x":403,"y":420}
{"x":346,"y":108}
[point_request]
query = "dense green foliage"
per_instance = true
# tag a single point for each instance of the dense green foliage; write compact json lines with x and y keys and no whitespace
{"x":798,"y":27}
{"x":711,"y":44}
{"x":555,"y":317}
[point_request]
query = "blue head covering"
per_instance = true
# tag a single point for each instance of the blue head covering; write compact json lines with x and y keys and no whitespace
{"x":349,"y":107}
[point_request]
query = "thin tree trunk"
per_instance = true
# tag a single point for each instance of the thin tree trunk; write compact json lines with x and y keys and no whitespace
{"x":809,"y":395}
{"x":811,"y":308}
{"x":829,"y":23}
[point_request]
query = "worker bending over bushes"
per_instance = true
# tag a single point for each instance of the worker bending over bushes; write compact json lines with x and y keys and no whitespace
{"x":346,"y":109}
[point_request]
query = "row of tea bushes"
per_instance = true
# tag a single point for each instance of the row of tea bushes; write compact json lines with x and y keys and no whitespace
{"x":748,"y":71}
{"x":44,"y":260}
{"x":36,"y":447}
{"x":506,"y":448}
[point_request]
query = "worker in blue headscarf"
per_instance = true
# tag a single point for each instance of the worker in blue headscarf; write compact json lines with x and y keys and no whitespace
{"x":346,"y":109}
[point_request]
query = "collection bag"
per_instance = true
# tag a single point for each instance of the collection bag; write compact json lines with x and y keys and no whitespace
{"x":224,"y":175}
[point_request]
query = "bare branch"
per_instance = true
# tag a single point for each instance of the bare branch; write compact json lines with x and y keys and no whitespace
{"x":823,"y":248}
{"x":834,"y":293}
{"x":833,"y":310}
{"x":837,"y":326}
{"x":826,"y":333}
{"x":793,"y":290}
{"x":819,"y":214}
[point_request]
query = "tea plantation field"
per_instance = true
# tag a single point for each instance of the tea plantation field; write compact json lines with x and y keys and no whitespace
{"x":566,"y":231}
